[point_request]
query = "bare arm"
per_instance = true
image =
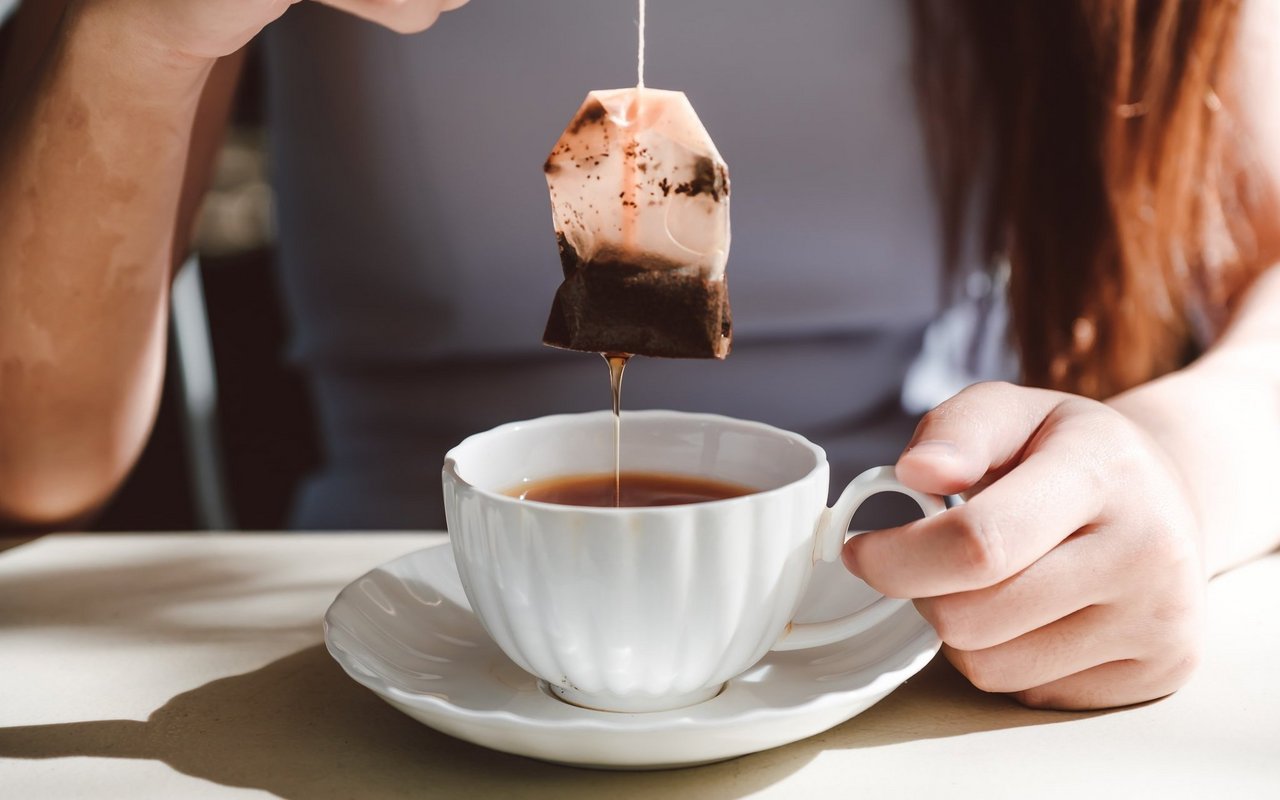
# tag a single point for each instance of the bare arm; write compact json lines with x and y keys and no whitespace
{"x":114,"y":111}
{"x":93,"y":151}
{"x":1219,"y":421}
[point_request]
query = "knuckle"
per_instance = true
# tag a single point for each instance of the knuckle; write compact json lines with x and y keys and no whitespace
{"x":1111,"y":439}
{"x":1099,"y":472}
{"x":960,"y":407}
{"x":1178,"y":550}
{"x":1042,"y":698}
{"x":1071,"y":695}
{"x":1174,"y":616}
{"x":991,"y":388}
{"x":981,"y":545}
{"x":983,"y":671}
{"x":1124,"y":450}
{"x":937,"y":416}
{"x":1178,"y":620}
{"x":987,"y":679}
{"x":933,"y":611}
{"x":1179,"y":670}
{"x":1167,"y":550}
{"x":952,"y":622}
{"x":1182,"y":668}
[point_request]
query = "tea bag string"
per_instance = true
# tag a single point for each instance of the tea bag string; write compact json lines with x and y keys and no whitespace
{"x":640,"y":51}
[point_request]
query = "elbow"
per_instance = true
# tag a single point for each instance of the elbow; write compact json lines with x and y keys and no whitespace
{"x":67,"y":447}
{"x":35,"y":497}
{"x":76,"y":410}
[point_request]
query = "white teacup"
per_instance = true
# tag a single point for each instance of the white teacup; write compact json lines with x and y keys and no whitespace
{"x":647,"y":609}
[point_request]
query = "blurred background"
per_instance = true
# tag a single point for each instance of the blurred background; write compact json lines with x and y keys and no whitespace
{"x":258,"y":450}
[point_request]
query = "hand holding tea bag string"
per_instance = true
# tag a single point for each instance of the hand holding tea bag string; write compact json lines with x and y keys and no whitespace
{"x":207,"y":29}
{"x":1074,"y":576}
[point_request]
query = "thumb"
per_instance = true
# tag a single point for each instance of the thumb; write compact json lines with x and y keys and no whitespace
{"x":982,"y":429}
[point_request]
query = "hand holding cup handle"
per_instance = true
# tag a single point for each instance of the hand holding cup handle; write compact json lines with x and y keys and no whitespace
{"x":833,"y":531}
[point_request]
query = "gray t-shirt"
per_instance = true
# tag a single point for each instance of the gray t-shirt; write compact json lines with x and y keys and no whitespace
{"x":418,"y":260}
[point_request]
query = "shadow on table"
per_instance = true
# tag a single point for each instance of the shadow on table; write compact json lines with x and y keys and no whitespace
{"x":201,"y":594}
{"x":937,"y":703}
{"x":299,"y":728}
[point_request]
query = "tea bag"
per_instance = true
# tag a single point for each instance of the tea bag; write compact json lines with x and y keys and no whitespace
{"x":640,"y":202}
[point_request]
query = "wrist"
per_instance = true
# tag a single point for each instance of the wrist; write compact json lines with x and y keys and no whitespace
{"x":1161,"y":409}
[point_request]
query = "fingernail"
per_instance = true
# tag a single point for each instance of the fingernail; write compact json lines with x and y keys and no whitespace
{"x":934,"y":448}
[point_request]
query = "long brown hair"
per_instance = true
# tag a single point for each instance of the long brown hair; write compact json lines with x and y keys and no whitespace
{"x":1087,"y":142}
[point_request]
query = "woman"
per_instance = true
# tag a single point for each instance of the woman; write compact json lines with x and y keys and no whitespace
{"x":1107,"y":149}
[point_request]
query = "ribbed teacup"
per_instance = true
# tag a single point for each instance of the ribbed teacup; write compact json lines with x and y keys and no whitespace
{"x":653,"y":608}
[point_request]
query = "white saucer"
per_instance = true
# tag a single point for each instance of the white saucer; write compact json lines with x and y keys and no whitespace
{"x":405,"y":631}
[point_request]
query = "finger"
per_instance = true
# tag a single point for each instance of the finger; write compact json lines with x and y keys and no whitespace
{"x":1000,"y":532}
{"x":981,"y":429}
{"x":1076,"y":574}
{"x":1074,"y":644}
{"x":402,"y":16}
{"x":1116,"y":683}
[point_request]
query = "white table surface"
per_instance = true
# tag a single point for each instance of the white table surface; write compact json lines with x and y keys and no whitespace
{"x":191,"y":666}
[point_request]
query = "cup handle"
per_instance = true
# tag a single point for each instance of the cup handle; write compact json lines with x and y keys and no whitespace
{"x":833,"y":532}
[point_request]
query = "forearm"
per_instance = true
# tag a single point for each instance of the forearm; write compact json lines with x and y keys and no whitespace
{"x":91,"y":166}
{"x":1219,"y":422}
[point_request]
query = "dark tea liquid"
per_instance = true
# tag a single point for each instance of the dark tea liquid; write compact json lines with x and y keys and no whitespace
{"x":628,"y":489}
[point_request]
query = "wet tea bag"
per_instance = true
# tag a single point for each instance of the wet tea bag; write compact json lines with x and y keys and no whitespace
{"x":640,"y":202}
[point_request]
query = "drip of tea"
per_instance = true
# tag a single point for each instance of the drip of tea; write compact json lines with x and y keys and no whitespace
{"x":617,"y":364}
{"x":628,"y":490}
